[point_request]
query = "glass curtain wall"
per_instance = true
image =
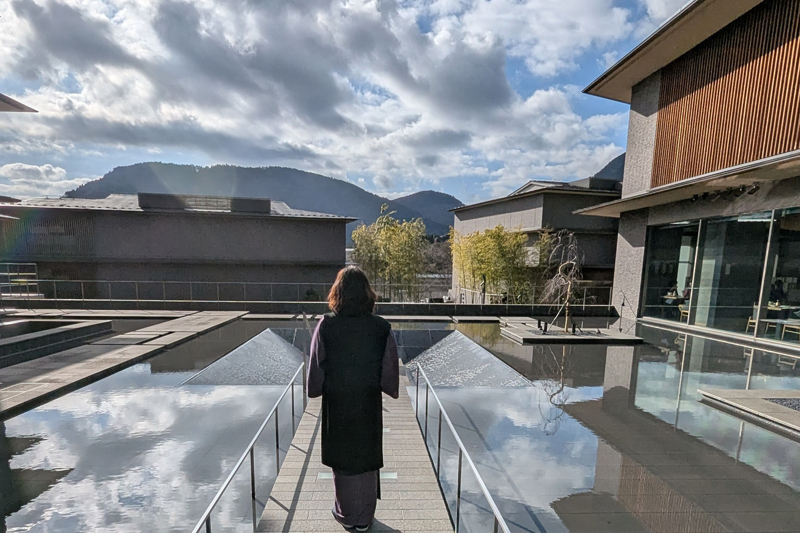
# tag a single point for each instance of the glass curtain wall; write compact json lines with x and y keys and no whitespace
{"x":780,"y":311}
{"x":668,"y":277}
{"x":731,"y":264}
{"x":739,"y":274}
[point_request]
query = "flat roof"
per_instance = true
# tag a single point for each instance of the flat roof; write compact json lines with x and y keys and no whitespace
{"x":130,"y":203}
{"x":773,"y":168}
{"x":691,"y":25}
{"x":9,"y":105}
{"x":557,"y":187}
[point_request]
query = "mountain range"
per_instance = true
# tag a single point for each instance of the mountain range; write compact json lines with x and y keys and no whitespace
{"x":299,"y":189}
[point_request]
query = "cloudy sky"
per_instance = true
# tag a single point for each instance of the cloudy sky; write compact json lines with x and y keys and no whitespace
{"x":470,"y":97}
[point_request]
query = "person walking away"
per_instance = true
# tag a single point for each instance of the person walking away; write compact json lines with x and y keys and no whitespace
{"x":353,"y":360}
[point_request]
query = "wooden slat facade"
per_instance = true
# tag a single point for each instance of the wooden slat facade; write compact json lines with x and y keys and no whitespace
{"x":733,"y":99}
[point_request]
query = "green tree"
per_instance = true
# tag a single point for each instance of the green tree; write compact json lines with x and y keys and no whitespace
{"x":497,"y":260}
{"x":392,"y":253}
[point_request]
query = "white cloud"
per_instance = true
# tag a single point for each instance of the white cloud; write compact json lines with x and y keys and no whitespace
{"x":22,"y":180}
{"x":660,"y":10}
{"x":339,"y":88}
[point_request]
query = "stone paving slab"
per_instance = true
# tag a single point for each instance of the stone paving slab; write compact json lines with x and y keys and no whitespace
{"x":100,"y":313}
{"x":528,"y":333}
{"x":70,"y":369}
{"x":197,"y":323}
{"x":756,"y":404}
{"x":276,"y":316}
{"x":172,"y":339}
{"x":476,"y":319}
{"x":301,"y":499}
{"x":417,"y":318}
{"x":28,"y":384}
{"x":129,"y":338}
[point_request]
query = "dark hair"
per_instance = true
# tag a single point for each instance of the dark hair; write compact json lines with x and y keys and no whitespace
{"x":351,"y":293}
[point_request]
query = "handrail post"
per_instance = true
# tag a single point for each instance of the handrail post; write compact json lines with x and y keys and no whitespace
{"x":439,"y":448}
{"x":305,"y":387}
{"x":416,"y":399}
{"x":208,"y":524}
{"x":277,"y":443}
{"x":252,"y":474}
{"x":55,"y":292}
{"x":136,"y":288}
{"x":427,"y":395}
{"x":458,"y":491}
{"x":293,"y":422}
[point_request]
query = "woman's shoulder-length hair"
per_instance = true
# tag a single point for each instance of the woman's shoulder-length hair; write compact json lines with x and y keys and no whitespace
{"x":351,"y":293}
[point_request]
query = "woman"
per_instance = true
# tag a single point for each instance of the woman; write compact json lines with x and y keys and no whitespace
{"x":353,"y":359}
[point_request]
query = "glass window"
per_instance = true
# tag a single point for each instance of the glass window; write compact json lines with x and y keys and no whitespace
{"x":780,"y":316}
{"x":728,"y":283}
{"x":670,"y":259}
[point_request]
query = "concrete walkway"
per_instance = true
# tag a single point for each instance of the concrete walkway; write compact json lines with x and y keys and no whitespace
{"x":26,"y":385}
{"x":302,"y":497}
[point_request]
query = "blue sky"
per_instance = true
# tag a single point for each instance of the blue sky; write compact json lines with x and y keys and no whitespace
{"x":469,"y":97}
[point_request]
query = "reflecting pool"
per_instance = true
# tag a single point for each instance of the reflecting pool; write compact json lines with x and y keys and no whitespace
{"x":616,"y":439}
{"x":141,"y":451}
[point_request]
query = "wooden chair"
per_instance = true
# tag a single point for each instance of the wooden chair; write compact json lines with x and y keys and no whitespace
{"x":791,"y":328}
{"x":787,"y":360}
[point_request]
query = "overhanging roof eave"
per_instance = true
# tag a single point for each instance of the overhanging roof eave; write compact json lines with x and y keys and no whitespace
{"x":773,"y":168}
{"x":691,"y":25}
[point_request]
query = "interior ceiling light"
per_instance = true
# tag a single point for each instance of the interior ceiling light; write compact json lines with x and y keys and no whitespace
{"x":754,"y":189}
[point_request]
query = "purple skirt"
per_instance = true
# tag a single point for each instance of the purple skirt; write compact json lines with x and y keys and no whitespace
{"x":356,"y":497}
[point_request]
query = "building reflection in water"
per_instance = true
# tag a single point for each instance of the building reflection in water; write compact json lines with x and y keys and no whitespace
{"x":634,"y":448}
{"x":19,"y":486}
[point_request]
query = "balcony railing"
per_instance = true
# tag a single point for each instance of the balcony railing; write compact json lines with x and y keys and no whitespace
{"x":133,"y":292}
{"x":204,"y":523}
{"x":498,"y":520}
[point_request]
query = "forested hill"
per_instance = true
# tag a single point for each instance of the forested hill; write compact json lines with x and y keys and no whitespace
{"x":300,"y":190}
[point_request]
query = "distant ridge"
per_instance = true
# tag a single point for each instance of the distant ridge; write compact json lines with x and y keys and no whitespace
{"x":299,"y":189}
{"x":614,"y":170}
{"x":432,"y":205}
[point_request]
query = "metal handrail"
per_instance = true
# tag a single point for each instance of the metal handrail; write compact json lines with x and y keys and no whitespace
{"x":499,"y":522}
{"x":82,"y":290}
{"x":210,"y":291}
{"x":205,"y":520}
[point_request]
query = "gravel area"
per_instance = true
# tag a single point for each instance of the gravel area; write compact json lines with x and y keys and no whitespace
{"x":791,"y":403}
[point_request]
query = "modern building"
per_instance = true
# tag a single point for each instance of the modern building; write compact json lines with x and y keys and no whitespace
{"x":161,"y":237}
{"x":540,"y":205}
{"x":709,"y":217}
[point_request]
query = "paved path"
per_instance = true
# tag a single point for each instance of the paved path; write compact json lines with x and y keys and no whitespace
{"x":26,"y":385}
{"x":302,"y":497}
{"x":105,"y":314}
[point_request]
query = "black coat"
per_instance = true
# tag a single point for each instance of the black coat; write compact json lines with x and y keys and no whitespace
{"x":353,"y":359}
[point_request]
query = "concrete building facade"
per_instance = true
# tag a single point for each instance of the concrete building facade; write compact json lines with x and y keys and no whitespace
{"x":173,"y":238}
{"x":709,"y":217}
{"x":541,"y":205}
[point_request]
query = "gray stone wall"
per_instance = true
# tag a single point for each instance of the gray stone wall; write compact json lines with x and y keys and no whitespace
{"x":641,"y":135}
{"x":558,"y":212}
{"x":522,"y":213}
{"x":629,"y":264}
{"x":162,"y":247}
